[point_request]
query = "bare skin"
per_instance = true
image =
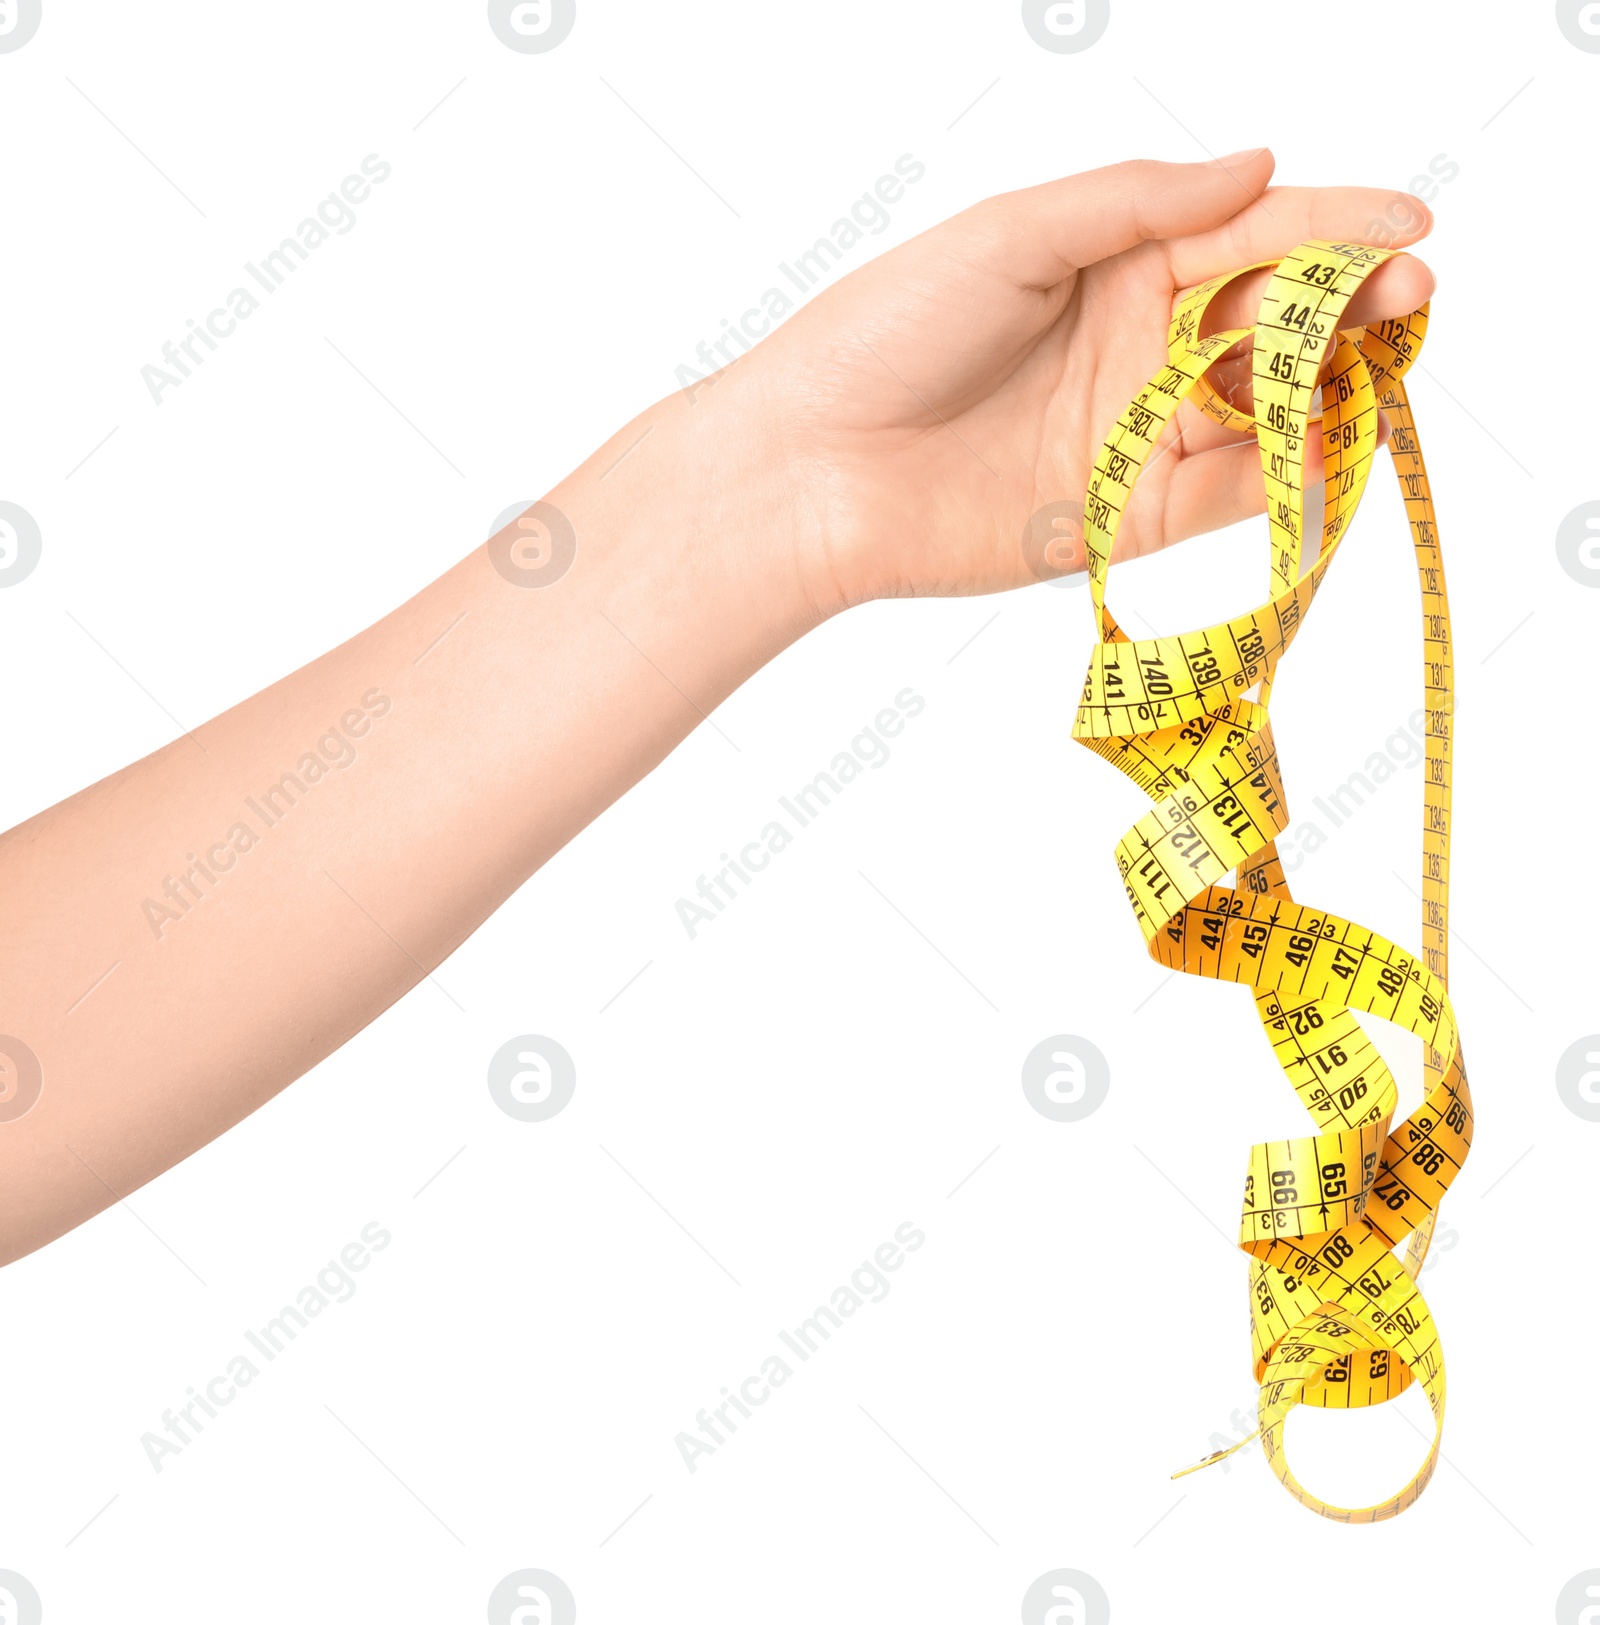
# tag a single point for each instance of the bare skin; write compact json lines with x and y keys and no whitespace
{"x":891,"y":439}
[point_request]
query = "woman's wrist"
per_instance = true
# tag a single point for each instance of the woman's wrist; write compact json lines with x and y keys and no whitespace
{"x":692,"y":516}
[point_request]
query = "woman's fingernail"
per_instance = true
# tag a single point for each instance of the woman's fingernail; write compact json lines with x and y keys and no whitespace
{"x":1422,"y":215}
{"x":1238,"y":157}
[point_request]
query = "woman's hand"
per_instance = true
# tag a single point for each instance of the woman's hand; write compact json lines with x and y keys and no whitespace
{"x":931,"y":402}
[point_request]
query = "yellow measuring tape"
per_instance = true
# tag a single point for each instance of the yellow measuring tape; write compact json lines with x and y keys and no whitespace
{"x":1336,"y":1318}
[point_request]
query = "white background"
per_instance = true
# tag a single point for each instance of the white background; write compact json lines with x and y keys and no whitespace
{"x":763,"y":1106}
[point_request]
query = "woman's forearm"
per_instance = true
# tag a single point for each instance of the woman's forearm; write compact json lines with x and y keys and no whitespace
{"x":249,"y":897}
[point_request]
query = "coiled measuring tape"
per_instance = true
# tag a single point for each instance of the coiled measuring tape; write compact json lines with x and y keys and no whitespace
{"x":1336,"y":1319}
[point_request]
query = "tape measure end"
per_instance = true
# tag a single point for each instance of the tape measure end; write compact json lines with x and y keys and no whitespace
{"x":1217,"y":1455}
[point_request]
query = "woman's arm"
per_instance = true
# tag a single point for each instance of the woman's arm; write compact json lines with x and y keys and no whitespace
{"x":268,"y":884}
{"x":243,"y":901}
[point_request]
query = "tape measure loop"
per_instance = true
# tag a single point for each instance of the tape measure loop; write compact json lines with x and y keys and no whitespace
{"x":1336,"y":1319}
